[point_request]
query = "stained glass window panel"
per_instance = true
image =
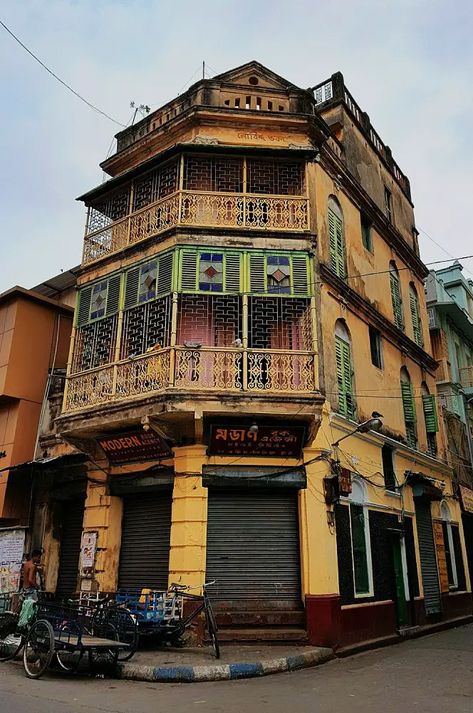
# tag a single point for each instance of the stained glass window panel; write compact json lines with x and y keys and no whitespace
{"x":98,"y":302}
{"x":211,"y":272}
{"x":278,"y":272}
{"x":148,"y":278}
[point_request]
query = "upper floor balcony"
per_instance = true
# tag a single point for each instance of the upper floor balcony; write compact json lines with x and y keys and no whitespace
{"x":466,"y":378}
{"x":201,"y":191}
{"x":194,"y":320}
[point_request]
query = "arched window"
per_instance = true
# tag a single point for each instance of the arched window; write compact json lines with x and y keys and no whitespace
{"x":344,"y":364}
{"x":360,"y":540}
{"x":409,"y":408}
{"x":336,"y":233}
{"x":396,"y":295}
{"x":415,"y":316}
{"x":449,"y":545}
{"x":431,"y":421}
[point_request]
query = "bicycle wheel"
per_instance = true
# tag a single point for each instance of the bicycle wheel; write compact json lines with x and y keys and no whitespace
{"x":69,"y":659}
{"x":126,"y":626}
{"x":102,"y":658}
{"x":212,"y":628}
{"x":39,"y":649}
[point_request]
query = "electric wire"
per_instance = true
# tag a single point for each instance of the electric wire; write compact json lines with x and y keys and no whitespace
{"x":61,"y":81}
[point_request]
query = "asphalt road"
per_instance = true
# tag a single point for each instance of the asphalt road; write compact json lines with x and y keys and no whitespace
{"x":431,"y":674}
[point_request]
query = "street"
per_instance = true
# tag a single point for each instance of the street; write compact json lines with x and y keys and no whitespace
{"x":430,"y":674}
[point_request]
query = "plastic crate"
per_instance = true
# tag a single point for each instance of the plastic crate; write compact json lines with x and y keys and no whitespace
{"x":151,"y":606}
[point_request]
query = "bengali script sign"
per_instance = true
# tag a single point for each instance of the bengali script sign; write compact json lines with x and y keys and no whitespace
{"x":12,"y":544}
{"x":467,"y":498}
{"x":134,"y":446}
{"x":283,"y":442}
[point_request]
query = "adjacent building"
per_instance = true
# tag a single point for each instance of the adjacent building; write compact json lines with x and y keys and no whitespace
{"x":251,"y":291}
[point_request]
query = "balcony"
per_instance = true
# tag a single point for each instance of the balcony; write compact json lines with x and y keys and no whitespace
{"x":185,"y":369}
{"x":466,"y":378}
{"x":199,"y":209}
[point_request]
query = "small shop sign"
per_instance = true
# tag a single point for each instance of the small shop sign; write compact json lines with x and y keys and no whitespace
{"x":134,"y":446}
{"x":88,"y":549}
{"x":267,"y":441}
{"x":467,"y":498}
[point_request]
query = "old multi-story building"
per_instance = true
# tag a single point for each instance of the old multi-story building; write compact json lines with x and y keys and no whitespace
{"x":250,"y":291}
{"x":450,"y":306}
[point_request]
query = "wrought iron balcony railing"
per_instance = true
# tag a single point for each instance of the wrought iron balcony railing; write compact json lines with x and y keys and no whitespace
{"x":188,"y":369}
{"x":202,"y":209}
{"x":466,"y":377}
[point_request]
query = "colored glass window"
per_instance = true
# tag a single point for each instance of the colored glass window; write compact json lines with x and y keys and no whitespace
{"x":148,"y":281}
{"x":211,"y":272}
{"x":278,"y":273}
{"x":98,"y":300}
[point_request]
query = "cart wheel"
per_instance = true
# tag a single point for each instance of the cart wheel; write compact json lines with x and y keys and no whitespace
{"x":212,"y":629}
{"x":69,"y":659}
{"x":10,"y":646}
{"x":126,"y":626}
{"x":104,"y":659}
{"x":39,"y":649}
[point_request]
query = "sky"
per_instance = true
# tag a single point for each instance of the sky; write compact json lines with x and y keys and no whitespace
{"x":408,"y":63}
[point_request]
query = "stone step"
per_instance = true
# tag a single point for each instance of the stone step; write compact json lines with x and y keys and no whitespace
{"x":273,"y":635}
{"x":260,"y":618}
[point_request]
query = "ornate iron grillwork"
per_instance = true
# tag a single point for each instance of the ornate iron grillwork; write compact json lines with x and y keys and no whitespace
{"x":156,"y":184}
{"x":147,"y":326}
{"x":283,"y":178}
{"x":95,"y":344}
{"x":209,"y":320}
{"x":108,"y":210}
{"x":205,"y":173}
{"x":279,"y":323}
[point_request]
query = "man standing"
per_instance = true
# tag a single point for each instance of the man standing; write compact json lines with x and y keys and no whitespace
{"x":31,"y":575}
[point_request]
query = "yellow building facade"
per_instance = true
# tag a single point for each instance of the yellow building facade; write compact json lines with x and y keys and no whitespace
{"x":250,"y":293}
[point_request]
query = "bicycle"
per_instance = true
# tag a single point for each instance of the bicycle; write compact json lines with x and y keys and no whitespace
{"x":205,"y":605}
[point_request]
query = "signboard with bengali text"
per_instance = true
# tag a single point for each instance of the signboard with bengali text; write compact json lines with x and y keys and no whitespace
{"x":267,"y":441}
{"x":12,"y":544}
{"x":467,"y":498}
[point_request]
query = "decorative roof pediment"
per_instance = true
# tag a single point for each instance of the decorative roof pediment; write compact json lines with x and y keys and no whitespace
{"x":253,"y":75}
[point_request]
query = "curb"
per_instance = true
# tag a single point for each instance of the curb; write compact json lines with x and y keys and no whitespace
{"x":223,"y":672}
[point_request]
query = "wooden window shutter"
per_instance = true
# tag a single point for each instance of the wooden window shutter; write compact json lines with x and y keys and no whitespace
{"x":300,"y":275}
{"x":188,"y":271}
{"x":131,"y":289}
{"x":83,"y":311}
{"x":113,"y":294}
{"x":336,"y":244}
{"x":344,"y":377}
{"x":396,"y":300}
{"x":233,"y":272}
{"x":165,"y":266}
{"x":430,"y":413}
{"x":415,"y":317}
{"x":408,"y":402}
{"x":257,"y":273}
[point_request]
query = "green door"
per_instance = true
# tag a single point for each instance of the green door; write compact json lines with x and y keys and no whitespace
{"x":401,"y":603}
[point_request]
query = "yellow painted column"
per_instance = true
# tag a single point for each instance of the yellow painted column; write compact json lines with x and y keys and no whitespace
{"x":187,"y":557}
{"x":103,"y":514}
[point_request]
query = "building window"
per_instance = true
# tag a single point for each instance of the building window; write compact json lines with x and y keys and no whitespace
{"x":376,"y":348}
{"x":344,"y":364}
{"x":431,"y":421}
{"x":278,"y":274}
{"x":415,"y":316}
{"x":396,"y":296}
{"x":449,"y":545}
{"x":409,"y":408}
{"x":337,"y":249}
{"x":211,"y":272}
{"x":366,"y":234}
{"x":360,"y":541}
{"x":388,"y":469}
{"x":388,"y":204}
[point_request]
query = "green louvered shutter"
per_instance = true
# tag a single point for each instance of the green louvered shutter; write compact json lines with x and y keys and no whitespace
{"x":396,"y":300}
{"x":113,"y":294}
{"x":336,"y":244}
{"x":165,"y":266}
{"x":430,"y":413}
{"x":408,"y":402}
{"x":233,"y":272}
{"x":83,"y":310}
{"x":300,"y":275}
{"x":131,"y":289}
{"x":415,"y":316}
{"x":257,"y":274}
{"x":344,"y":377}
{"x":188,"y":271}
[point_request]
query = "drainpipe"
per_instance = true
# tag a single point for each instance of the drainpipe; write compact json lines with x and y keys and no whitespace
{"x":466,"y":402}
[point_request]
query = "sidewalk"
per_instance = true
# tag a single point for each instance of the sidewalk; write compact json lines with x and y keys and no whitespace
{"x":237,"y":661}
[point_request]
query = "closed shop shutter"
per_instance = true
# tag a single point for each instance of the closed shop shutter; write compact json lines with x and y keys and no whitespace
{"x":70,"y":547}
{"x":428,"y":559}
{"x":146,"y":530}
{"x":253,"y":546}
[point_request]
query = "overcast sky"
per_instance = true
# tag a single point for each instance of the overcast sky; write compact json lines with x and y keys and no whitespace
{"x":408,"y":64}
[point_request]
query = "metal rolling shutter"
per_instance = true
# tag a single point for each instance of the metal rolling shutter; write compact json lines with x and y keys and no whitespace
{"x":428,"y":558}
{"x":146,"y":531}
{"x":70,"y":547}
{"x":253,"y":545}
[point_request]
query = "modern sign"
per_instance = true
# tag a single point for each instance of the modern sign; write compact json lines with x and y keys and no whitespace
{"x":267,"y":441}
{"x":467,"y":498}
{"x":134,"y":446}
